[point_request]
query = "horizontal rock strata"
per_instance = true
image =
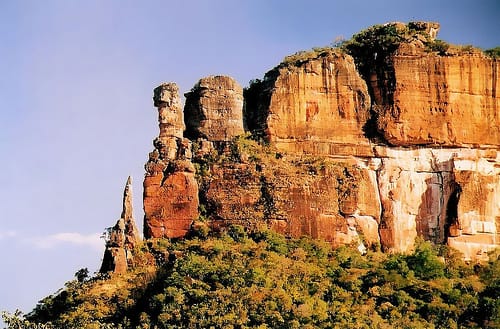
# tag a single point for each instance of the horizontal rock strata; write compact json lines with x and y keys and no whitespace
{"x":379,"y":154}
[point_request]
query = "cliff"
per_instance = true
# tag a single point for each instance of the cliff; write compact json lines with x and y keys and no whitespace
{"x":395,"y":135}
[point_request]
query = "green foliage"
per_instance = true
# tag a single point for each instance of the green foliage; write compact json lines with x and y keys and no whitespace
{"x":438,"y":46}
{"x":245,"y":147}
{"x":260,"y":279}
{"x":425,"y":263}
{"x":378,"y":39}
{"x":493,"y":52}
{"x":82,"y":275}
{"x":304,"y":56}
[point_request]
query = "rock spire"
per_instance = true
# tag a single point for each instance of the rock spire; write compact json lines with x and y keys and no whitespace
{"x":170,"y":188}
{"x":214,"y":109}
{"x":121,"y":238}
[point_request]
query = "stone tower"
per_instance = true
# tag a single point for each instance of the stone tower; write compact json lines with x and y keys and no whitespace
{"x":121,"y":238}
{"x":170,"y":188}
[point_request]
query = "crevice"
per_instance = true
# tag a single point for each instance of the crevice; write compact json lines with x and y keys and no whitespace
{"x":452,"y":222}
{"x":266,"y":198}
{"x":381,"y":224}
{"x":256,"y":103}
{"x":438,"y":234}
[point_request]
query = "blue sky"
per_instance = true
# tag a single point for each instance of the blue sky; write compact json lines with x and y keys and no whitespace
{"x":76,"y":117}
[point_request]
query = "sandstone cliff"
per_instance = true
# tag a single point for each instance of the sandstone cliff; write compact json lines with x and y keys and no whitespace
{"x":301,"y":102}
{"x":423,"y":90}
{"x":397,"y":141}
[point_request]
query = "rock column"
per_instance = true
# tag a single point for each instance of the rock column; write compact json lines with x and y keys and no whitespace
{"x":170,"y":188}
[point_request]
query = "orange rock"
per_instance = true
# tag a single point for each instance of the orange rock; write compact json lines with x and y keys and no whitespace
{"x":318,"y":106}
{"x":443,"y":100}
{"x":170,"y":188}
{"x":170,"y":208}
{"x":411,"y":152}
{"x":121,"y":238}
{"x":214,"y":109}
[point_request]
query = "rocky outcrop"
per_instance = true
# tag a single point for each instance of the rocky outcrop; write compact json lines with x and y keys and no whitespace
{"x":427,"y":192}
{"x":316,"y":105}
{"x":294,"y":195}
{"x":122,"y":238}
{"x":170,"y":188}
{"x":214,"y":109}
{"x":397,"y":142}
{"x":423,"y":91}
{"x":435,"y":95}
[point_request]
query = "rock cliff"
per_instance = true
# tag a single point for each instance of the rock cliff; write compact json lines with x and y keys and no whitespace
{"x":302,"y":101}
{"x":423,"y":90}
{"x":393,"y":136}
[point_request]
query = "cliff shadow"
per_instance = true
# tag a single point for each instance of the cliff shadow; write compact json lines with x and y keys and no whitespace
{"x":256,"y":102}
{"x":438,"y":210}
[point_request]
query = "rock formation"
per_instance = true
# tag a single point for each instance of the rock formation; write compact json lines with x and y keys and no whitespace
{"x":423,"y":90}
{"x":408,"y":147}
{"x":434,"y":95}
{"x":170,"y":189}
{"x":214,"y":108}
{"x":317,"y":106}
{"x":121,"y":238}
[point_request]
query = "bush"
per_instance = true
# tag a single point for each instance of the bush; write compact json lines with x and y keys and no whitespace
{"x":262,"y":279}
{"x":493,"y":52}
{"x":425,"y":263}
{"x":439,"y":46}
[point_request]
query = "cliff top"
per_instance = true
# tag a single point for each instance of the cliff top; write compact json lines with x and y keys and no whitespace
{"x":386,"y":39}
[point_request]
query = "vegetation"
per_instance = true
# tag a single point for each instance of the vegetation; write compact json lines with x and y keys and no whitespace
{"x":493,"y":52}
{"x":260,"y":279}
{"x":438,"y":46}
{"x":304,"y":56}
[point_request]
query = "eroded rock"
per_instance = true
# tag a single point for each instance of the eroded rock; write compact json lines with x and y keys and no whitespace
{"x":170,"y":189}
{"x":214,"y":109}
{"x":318,"y":106}
{"x":122,"y":238}
{"x":408,"y":148}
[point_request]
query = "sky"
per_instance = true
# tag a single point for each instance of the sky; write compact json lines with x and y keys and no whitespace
{"x":76,"y":115}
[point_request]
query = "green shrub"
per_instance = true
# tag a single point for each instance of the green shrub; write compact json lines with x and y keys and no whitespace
{"x":493,"y":52}
{"x":438,"y":46}
{"x":425,"y":262}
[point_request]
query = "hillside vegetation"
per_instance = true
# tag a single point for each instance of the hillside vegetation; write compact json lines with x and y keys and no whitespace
{"x":260,"y":279}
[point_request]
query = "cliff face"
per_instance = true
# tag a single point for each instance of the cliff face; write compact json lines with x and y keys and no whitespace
{"x":409,"y":147}
{"x":318,"y":106}
{"x":435,"y":95}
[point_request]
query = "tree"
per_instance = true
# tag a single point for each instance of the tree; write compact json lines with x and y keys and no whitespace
{"x":82,"y":275}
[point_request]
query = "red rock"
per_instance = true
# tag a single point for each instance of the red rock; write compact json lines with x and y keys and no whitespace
{"x":170,"y":189}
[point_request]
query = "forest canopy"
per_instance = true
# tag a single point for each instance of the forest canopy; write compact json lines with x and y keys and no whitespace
{"x":260,"y":279}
